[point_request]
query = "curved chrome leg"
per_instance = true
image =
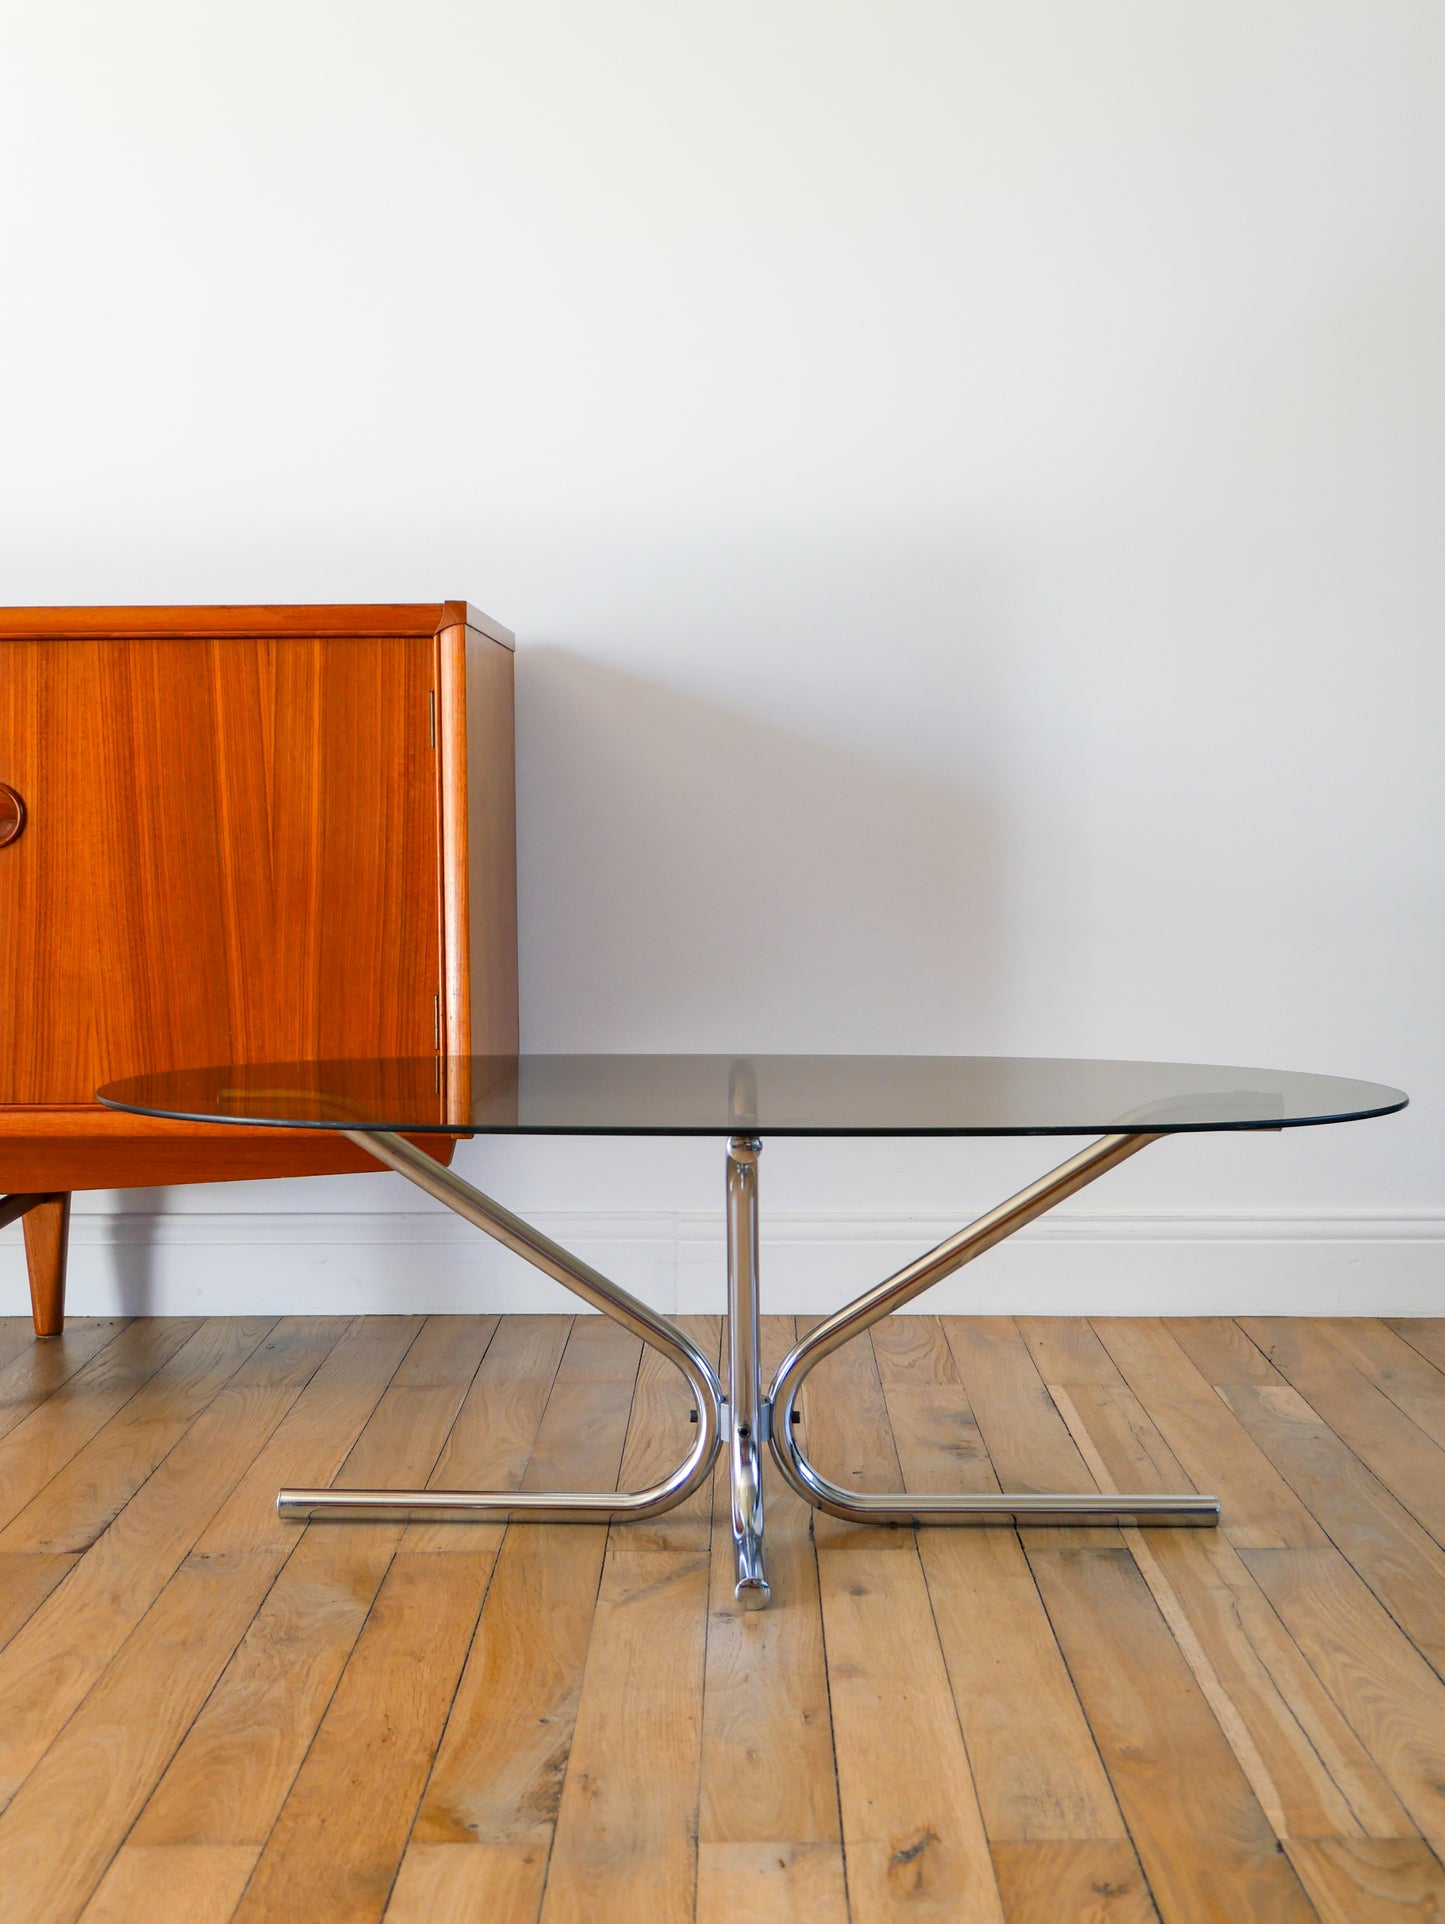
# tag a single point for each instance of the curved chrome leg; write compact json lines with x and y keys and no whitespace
{"x":898,"y":1506}
{"x":746,"y":1411}
{"x":552,"y":1506}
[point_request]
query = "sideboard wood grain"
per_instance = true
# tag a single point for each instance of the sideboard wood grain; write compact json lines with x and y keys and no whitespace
{"x":249,"y":834}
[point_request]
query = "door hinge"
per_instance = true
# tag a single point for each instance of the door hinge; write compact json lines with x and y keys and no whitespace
{"x":436,"y":1023}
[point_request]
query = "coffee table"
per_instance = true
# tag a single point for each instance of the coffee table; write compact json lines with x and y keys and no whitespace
{"x":381,"y":1103}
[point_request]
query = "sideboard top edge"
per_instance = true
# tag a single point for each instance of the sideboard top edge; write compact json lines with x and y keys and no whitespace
{"x":348,"y":618}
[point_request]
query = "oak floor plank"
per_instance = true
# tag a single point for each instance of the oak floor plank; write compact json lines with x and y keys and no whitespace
{"x":83,"y":1497}
{"x":336,"y":1846}
{"x":1033,"y":1756}
{"x":226,"y":1784}
{"x":1310,"y":1772}
{"x":1387,"y":1441}
{"x":498,"y":1772}
{"x":1072,"y":1882}
{"x":1220,"y":1349}
{"x":584,"y":1426}
{"x":1412,"y":1384}
{"x":497,"y":1425}
{"x":39,"y":1369}
{"x":26,"y":1580}
{"x":1260,"y":1510}
{"x":465,"y":1883}
{"x":776,"y":1883}
{"x":48,"y":1667}
{"x":912,"y":1349}
{"x":660,"y":1433}
{"x":171,"y":1884}
{"x":1131,"y":1453}
{"x":16,"y":1334}
{"x":1028,"y":1441}
{"x":1333,"y":1494}
{"x":937,"y":1436}
{"x":44,"y":1441}
{"x":626,"y":1839}
{"x":73,"y":1811}
{"x":230,"y":1778}
{"x":311,"y":1442}
{"x":1206,"y":1846}
{"x":1371,"y":1881}
{"x":848,"y":1439}
{"x":1066,"y":1350}
{"x":1315,"y":1760}
{"x":1396,"y":1556}
{"x":1424,"y":1334}
{"x":913,"y":1835}
{"x":409,"y":1426}
{"x":1394,"y":1701}
{"x":767,"y":1745}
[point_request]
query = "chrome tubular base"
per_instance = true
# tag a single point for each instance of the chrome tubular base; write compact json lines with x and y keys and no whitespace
{"x":749,"y":1419}
{"x":552,"y":1506}
{"x":898,"y":1506}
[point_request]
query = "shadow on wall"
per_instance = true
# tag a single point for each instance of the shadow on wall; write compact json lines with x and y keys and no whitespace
{"x":134,"y":1255}
{"x":693,"y":877}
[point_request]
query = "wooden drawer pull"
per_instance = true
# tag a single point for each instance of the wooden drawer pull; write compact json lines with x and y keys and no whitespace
{"x":12,"y":814}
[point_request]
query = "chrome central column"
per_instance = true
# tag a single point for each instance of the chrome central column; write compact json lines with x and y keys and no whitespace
{"x":747,"y":1412}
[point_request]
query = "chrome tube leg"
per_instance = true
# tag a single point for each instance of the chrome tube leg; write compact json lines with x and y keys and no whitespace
{"x":551,"y":1506}
{"x":747,"y":1411}
{"x":901,"y":1506}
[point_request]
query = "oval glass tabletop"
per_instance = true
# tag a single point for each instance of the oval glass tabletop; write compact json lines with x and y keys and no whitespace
{"x":785,"y":1095}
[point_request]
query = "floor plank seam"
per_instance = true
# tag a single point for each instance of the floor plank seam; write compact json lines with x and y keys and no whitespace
{"x":827,"y":1674}
{"x":832,"y":1719}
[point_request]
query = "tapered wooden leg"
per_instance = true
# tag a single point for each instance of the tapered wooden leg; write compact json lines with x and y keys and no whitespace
{"x":47,"y":1237}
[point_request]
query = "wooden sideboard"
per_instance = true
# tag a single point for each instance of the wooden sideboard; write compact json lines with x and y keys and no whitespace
{"x":239,"y":835}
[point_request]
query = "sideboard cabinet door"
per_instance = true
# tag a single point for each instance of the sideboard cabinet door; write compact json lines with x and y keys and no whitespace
{"x":218,"y":835}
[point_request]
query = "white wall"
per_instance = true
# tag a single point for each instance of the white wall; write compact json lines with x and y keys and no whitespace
{"x":967,"y":480}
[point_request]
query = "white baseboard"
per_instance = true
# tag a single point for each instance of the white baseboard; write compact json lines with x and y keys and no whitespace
{"x":1077,"y":1264}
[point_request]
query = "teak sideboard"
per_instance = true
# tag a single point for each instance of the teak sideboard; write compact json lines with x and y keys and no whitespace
{"x":239,"y":835}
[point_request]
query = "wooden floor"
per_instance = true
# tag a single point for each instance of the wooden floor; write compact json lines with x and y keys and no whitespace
{"x":207,"y":1714}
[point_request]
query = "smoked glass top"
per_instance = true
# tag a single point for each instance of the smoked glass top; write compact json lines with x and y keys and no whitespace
{"x":668,"y":1095}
